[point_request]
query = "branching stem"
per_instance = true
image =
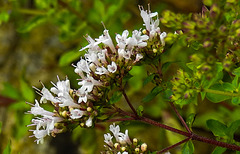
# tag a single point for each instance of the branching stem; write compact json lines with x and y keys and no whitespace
{"x":190,"y":135}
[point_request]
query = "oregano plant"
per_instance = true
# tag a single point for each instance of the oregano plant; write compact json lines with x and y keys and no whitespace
{"x":207,"y":69}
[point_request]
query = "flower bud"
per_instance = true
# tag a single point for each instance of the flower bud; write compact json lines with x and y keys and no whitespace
{"x":89,"y":109}
{"x":82,"y":124}
{"x":238,"y":32}
{"x":123,"y":148}
{"x":135,"y":141}
{"x":117,"y":145}
{"x":214,"y":11}
{"x":137,"y":150}
{"x":144,"y":31}
{"x":154,"y":50}
{"x":189,"y":24}
{"x":64,"y":114}
{"x":144,"y":147}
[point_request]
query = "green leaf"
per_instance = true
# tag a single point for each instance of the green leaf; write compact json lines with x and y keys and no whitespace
{"x":235,"y":82}
{"x":26,"y":91}
{"x":190,"y":120}
{"x":188,"y":148}
{"x":216,"y":98}
{"x":196,"y":45}
{"x":165,"y":66}
{"x":148,"y":79}
{"x":236,"y":71}
{"x":140,"y":110}
{"x":127,"y":77}
{"x":233,"y":128}
{"x":103,"y":117}
{"x":10,"y":91}
{"x":32,"y":23}
{"x":217,"y":127}
{"x":219,"y":150}
{"x":7,"y":149}
{"x":115,"y":97}
{"x":155,"y":91}
{"x":236,"y":100}
{"x":191,"y":65}
{"x":68,"y":57}
{"x":203,"y":95}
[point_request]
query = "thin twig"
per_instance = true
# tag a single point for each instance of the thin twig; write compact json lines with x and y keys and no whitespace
{"x":174,"y":145}
{"x":180,"y":117}
{"x":129,"y":103}
{"x":214,"y":142}
{"x":120,"y":119}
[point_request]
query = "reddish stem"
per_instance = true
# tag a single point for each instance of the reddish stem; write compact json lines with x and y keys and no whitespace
{"x":180,"y":117}
{"x":191,"y":135}
{"x":174,"y":145}
{"x":129,"y":103}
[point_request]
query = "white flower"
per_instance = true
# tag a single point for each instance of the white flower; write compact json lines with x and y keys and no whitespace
{"x":106,"y":39}
{"x":138,"y":57}
{"x":151,"y":25}
{"x":92,"y":57}
{"x":82,"y":96}
{"x":92,"y":44}
{"x":89,"y":122}
{"x":82,"y":65}
{"x":61,"y":88}
{"x":121,"y":39}
{"x":123,"y":138}
{"x":87,"y":84}
{"x":101,"y":70}
{"x":46,"y":95}
{"x":108,"y":139}
{"x":44,"y":126}
{"x":137,"y":40}
{"x":124,"y":54}
{"x":39,"y":134}
{"x":162,"y":37}
{"x":120,"y":53}
{"x":101,"y":56}
{"x":122,"y":152}
{"x":115,"y":130}
{"x":112,"y":68}
{"x":37,"y":110}
{"x":62,"y":91}
{"x":76,"y":114}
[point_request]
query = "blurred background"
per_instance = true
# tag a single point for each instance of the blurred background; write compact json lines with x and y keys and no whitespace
{"x":40,"y":39}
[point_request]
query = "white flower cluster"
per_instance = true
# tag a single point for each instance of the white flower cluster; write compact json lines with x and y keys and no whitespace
{"x":44,"y":124}
{"x":102,"y":64}
{"x":59,"y":96}
{"x":152,"y":25}
{"x":121,"y":143}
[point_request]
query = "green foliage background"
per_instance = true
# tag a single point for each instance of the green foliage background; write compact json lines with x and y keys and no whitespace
{"x":41,"y":38}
